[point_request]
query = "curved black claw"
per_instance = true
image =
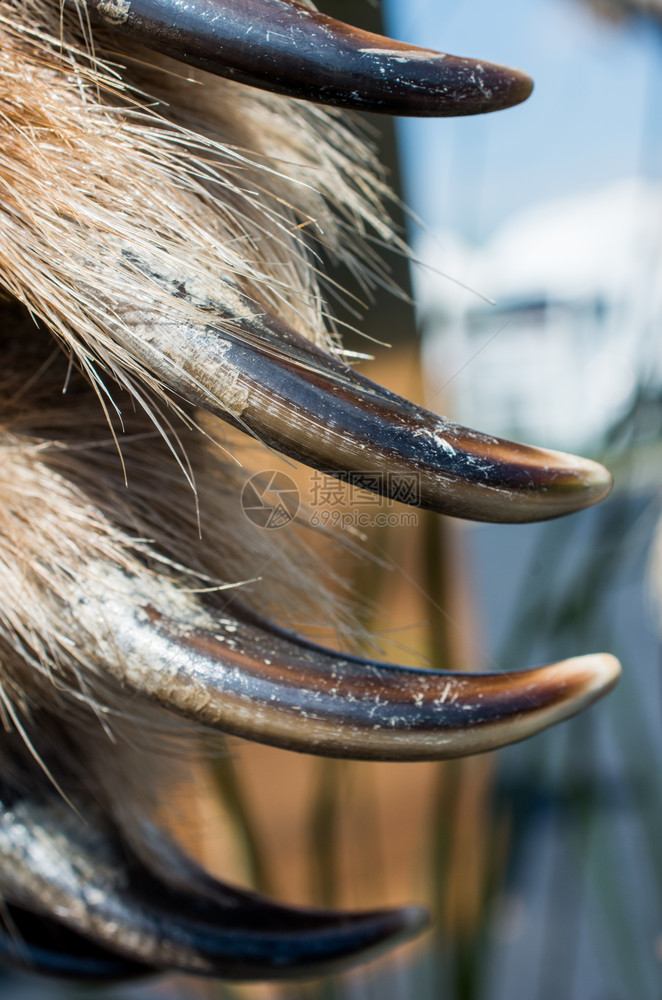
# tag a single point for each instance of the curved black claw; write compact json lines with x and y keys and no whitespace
{"x":82,"y":876}
{"x":263,"y":377}
{"x":237,"y":673}
{"x":282,"y":45}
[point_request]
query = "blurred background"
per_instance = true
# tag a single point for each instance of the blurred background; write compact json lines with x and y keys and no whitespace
{"x":533,"y":309}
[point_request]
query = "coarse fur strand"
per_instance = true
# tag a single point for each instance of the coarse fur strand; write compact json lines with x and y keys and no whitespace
{"x":233,"y":188}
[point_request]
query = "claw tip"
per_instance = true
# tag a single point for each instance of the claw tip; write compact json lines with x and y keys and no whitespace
{"x":581,"y":680}
{"x":492,"y":87}
{"x":592,"y":480}
{"x":521,"y":87}
{"x":601,"y":672}
{"x":413,"y":920}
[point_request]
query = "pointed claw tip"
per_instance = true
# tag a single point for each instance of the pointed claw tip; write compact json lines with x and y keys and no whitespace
{"x":521,"y":87}
{"x":545,"y":696}
{"x":589,"y":481}
{"x":407,"y":922}
{"x":489,"y":87}
{"x":601,"y":672}
{"x":599,"y":480}
{"x":581,"y":680}
{"x":415,"y":920}
{"x":552,"y":483}
{"x":388,"y":928}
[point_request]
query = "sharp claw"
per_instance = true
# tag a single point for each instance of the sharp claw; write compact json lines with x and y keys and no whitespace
{"x":236,"y":673}
{"x":282,"y":45}
{"x":268,"y":379}
{"x":97,"y":888}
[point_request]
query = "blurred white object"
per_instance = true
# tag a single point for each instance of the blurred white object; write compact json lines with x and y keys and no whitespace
{"x":576,"y":324}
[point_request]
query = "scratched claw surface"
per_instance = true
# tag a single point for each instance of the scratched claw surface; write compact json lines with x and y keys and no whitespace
{"x":284,"y":46}
{"x":137,"y":631}
{"x":212,"y":658}
{"x":177,"y":273}
{"x":230,"y":670}
{"x":307,"y":404}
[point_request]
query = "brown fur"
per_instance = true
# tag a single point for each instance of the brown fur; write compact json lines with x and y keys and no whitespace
{"x":227,"y":194}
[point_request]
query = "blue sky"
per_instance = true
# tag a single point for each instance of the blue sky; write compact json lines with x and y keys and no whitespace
{"x":597,"y":86}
